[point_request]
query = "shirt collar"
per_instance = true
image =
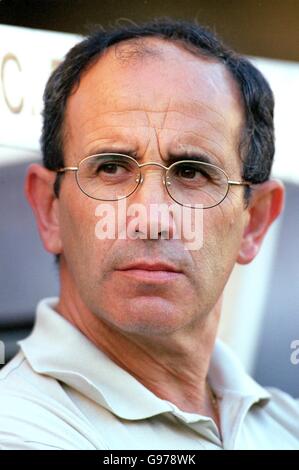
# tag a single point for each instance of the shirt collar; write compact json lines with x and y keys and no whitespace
{"x":227,"y":376}
{"x":57,"y":349}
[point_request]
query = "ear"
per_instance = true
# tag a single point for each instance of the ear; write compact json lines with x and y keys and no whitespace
{"x":45,"y":205}
{"x":265,"y":205}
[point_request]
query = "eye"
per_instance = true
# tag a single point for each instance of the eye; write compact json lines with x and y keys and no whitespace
{"x":110,"y":168}
{"x":191,"y":171}
{"x":113,"y":168}
{"x":186,"y":172}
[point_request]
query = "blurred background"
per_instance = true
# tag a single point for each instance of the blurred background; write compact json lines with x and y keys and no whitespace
{"x":261,"y":308}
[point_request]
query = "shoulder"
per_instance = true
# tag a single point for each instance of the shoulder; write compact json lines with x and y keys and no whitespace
{"x":283,"y":407}
{"x":35,"y":412}
{"x":279,"y":419}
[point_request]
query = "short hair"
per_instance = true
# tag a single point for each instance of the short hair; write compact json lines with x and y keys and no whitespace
{"x":256,"y":145}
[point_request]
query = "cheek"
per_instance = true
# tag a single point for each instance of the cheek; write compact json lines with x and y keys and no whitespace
{"x":224,"y":223}
{"x":82,"y":249}
{"x":222,"y":235}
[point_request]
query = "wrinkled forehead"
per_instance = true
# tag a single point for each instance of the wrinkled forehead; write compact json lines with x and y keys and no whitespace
{"x":150,"y":81}
{"x":124,"y":64}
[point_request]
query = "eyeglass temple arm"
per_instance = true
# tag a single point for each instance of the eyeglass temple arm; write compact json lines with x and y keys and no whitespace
{"x":239,"y":183}
{"x":67,"y":168}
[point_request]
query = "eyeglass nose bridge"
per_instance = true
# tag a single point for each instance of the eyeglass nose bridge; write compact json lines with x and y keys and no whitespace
{"x":140,"y":179}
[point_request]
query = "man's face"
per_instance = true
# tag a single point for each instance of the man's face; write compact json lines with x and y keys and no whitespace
{"x":164,"y":102}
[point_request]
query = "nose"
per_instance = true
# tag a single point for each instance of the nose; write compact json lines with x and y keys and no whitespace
{"x":152,"y":203}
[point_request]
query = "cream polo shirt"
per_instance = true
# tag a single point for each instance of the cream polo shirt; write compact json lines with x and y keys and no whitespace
{"x":61,"y":392}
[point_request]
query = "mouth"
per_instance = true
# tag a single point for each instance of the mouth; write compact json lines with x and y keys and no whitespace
{"x":152,"y":272}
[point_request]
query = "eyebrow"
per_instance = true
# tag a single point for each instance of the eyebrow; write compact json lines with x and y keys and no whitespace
{"x":198,"y":157}
{"x":170,"y":159}
{"x":121,"y":150}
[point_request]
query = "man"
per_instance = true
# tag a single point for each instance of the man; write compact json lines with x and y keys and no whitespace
{"x":161,"y":113}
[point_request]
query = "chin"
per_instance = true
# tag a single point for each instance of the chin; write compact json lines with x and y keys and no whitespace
{"x":149,"y":317}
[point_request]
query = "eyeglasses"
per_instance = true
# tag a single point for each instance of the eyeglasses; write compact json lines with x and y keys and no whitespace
{"x":114,"y":176}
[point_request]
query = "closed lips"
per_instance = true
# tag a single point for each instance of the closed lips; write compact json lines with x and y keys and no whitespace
{"x":150,"y":267}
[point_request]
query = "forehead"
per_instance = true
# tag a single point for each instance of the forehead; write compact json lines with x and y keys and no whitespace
{"x":154,"y":84}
